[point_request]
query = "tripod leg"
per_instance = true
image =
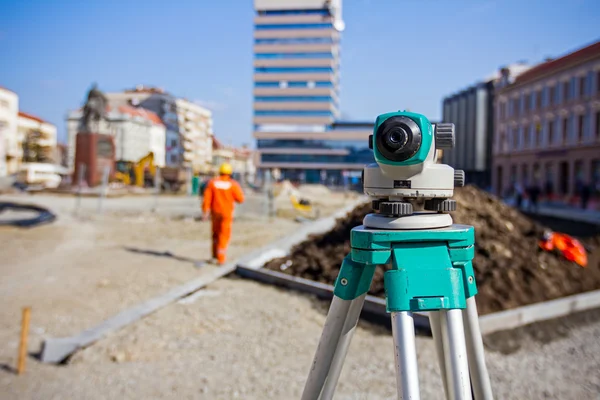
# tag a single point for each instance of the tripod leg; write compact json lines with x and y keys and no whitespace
{"x":327,"y":347}
{"x":342,"y":347}
{"x":457,"y":367}
{"x":479,"y":373}
{"x":405,"y":352}
{"x":435,"y":321}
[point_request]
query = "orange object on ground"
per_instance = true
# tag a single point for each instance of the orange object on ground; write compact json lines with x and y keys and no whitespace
{"x":220,"y":197}
{"x":568,"y":246}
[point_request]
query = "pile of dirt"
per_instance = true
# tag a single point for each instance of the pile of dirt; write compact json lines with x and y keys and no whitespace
{"x":511,"y":270}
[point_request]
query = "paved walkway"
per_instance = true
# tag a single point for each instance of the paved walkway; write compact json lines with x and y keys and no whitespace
{"x":574,"y":214}
{"x":561,"y":211}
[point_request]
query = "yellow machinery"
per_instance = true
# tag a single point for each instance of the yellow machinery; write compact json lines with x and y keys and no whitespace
{"x":140,"y":168}
{"x":304,"y":207}
{"x":128,"y":171}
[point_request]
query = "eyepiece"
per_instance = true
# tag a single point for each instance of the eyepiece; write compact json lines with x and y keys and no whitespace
{"x":398,"y":138}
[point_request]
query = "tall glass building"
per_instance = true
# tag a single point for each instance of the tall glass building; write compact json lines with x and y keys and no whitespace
{"x":296,"y":93}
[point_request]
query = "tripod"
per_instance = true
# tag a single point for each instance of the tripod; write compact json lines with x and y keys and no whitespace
{"x":431,"y":271}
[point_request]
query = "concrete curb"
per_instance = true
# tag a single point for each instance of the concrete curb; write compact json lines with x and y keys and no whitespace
{"x":58,"y":350}
{"x":375,"y":307}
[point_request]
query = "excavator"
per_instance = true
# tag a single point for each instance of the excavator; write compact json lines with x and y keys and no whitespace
{"x":128,"y":172}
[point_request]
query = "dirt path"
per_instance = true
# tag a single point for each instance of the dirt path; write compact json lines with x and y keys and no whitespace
{"x":75,"y":273}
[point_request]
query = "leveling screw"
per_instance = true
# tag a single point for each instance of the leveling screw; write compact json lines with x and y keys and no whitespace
{"x":344,"y":281}
{"x":470,"y":279}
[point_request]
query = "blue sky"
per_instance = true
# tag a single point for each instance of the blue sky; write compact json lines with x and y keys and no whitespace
{"x":396,"y":54}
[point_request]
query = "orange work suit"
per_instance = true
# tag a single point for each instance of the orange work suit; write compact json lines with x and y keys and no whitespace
{"x":220,"y":197}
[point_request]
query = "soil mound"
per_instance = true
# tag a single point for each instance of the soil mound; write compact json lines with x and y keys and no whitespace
{"x":511,"y":270}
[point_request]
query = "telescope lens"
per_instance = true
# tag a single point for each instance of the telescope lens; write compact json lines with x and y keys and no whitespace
{"x":398,"y":138}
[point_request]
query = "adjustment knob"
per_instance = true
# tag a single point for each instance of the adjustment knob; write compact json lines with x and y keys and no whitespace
{"x":395,"y":208}
{"x":444,"y":136}
{"x":440,"y":205}
{"x":459,"y":178}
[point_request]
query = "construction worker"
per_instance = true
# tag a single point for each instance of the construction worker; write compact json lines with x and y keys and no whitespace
{"x":220,"y":195}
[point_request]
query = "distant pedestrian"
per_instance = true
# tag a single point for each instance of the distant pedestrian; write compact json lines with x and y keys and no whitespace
{"x":534,"y":194}
{"x":585,"y":195}
{"x":519,"y":194}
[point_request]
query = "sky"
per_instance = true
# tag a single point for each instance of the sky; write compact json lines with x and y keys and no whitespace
{"x":395,"y":54}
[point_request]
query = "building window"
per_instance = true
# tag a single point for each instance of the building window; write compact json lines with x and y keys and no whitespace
{"x":525,"y":176}
{"x":502,"y":144}
{"x":549,"y":185}
{"x":598,"y":81}
{"x":538,"y":99}
{"x":538,"y":135}
{"x":565,"y":130}
{"x":526,"y":136}
{"x":502,"y":110}
{"x":550,"y":132}
{"x":513,"y":174}
{"x":515,"y":138}
{"x":597,"y":125}
{"x":536,"y":172}
{"x":580,"y":127}
{"x":526,"y":99}
{"x":582,"y":87}
{"x":173,"y":158}
{"x":595,"y":173}
{"x":565,"y":91}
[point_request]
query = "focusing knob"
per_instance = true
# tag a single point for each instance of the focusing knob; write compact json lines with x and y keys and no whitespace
{"x":395,"y":208}
{"x":459,"y":178}
{"x":375,"y":205}
{"x":444,"y":136}
{"x":440,"y":205}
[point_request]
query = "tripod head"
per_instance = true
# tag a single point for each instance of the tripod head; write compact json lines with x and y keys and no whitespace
{"x":404,"y":145}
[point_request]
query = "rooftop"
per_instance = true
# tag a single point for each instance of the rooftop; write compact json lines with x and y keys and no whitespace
{"x":140,"y":112}
{"x":32,"y":117}
{"x":146,"y":89}
{"x":6,"y":89}
{"x":571,"y":59}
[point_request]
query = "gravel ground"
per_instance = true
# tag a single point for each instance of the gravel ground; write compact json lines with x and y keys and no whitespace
{"x":234,"y":339}
{"x":241,"y":339}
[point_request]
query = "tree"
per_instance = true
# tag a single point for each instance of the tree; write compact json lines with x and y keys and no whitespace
{"x":32,"y":150}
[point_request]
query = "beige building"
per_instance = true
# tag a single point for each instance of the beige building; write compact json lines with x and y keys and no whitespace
{"x":547,"y":128}
{"x":136,"y":132}
{"x":36,"y":140}
{"x":9,"y":147}
{"x":189,"y":126}
{"x":240,"y":158}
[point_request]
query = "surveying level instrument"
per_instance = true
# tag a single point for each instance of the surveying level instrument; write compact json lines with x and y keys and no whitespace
{"x":431,"y":265}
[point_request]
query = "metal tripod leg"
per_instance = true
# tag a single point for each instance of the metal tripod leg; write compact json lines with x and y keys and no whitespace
{"x":327,"y":347}
{"x":480,"y":379}
{"x":405,"y":353}
{"x":435,"y":321}
{"x":342,"y":347}
{"x":455,"y":352}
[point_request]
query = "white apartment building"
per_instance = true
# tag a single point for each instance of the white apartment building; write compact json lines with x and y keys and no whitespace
{"x":189,"y":130}
{"x":9,"y":113}
{"x":136,"y":131}
{"x":36,"y":140}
